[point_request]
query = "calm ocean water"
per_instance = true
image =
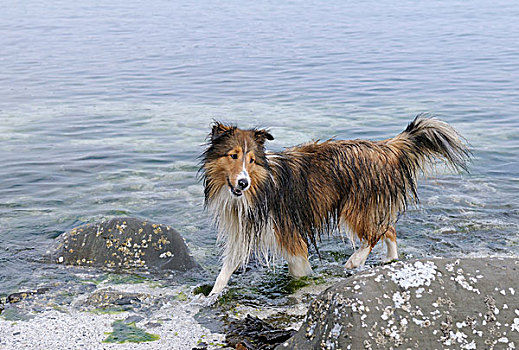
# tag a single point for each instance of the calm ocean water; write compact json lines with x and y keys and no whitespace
{"x":104,"y":107}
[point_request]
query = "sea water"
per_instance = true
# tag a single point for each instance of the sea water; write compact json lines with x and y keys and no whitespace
{"x":105,"y":107}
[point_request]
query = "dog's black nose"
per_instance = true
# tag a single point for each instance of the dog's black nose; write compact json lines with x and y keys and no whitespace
{"x":243,"y":183}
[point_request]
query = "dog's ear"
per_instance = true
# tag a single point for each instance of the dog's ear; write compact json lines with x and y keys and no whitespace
{"x":219,"y":129}
{"x":262,"y":135}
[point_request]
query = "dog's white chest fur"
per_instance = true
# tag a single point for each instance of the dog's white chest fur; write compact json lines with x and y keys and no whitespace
{"x":231,"y":216}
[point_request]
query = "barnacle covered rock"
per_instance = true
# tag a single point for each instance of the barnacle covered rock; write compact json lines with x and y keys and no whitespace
{"x":124,"y":243}
{"x":468,"y":303}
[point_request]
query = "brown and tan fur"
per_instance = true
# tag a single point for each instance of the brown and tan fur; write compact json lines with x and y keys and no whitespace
{"x":293,"y":197}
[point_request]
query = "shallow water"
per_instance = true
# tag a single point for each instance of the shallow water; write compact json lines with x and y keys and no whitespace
{"x":105,"y":107}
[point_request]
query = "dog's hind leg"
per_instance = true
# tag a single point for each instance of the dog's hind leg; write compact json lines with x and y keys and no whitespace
{"x":297,"y":258}
{"x":224,"y":276}
{"x":359,"y":257}
{"x":390,"y":239}
{"x":298,"y":266}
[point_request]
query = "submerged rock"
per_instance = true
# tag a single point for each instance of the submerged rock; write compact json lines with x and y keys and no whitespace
{"x":17,"y":297}
{"x":105,"y":298}
{"x":427,"y":304}
{"x":124,"y":243}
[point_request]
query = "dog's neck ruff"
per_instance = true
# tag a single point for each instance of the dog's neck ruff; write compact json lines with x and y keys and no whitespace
{"x":240,"y":229}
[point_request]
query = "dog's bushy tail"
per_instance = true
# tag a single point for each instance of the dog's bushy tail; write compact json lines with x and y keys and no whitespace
{"x":415,"y":150}
{"x":427,"y":138}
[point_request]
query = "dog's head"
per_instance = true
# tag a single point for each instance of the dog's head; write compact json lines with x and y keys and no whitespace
{"x":235,"y":158}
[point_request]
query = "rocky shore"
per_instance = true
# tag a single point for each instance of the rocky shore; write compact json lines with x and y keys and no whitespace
{"x":128,"y":292}
{"x":115,"y":297}
{"x":129,"y":285}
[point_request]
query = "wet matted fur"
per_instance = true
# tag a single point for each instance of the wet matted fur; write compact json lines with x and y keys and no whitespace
{"x":276,"y":204}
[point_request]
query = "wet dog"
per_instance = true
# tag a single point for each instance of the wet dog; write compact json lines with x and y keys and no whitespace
{"x":276,"y":204}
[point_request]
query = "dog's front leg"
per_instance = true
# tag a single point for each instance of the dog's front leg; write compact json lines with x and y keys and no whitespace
{"x":224,"y":276}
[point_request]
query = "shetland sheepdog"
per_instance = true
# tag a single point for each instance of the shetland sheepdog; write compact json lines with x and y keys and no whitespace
{"x":277,"y":203}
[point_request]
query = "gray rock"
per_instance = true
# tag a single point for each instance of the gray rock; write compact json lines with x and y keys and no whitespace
{"x":422,"y":304}
{"x":124,"y":243}
{"x":19,"y":296}
{"x":108,"y":298}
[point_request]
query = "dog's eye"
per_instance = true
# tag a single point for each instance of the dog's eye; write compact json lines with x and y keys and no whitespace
{"x":251,"y":160}
{"x":234,"y":156}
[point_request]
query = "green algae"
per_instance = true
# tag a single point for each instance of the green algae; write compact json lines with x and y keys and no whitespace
{"x":117,"y":278}
{"x":204,"y":289}
{"x":127,"y":279}
{"x":181,"y":296}
{"x":13,"y":314}
{"x":231,"y":295}
{"x":128,"y":333}
{"x":59,"y":308}
{"x":283,"y":285}
{"x":295,"y":284}
{"x":337,"y":256}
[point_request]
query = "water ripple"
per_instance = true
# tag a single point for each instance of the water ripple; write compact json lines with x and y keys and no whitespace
{"x":105,"y":108}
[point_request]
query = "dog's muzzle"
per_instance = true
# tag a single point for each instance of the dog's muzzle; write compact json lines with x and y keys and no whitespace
{"x":243,"y":185}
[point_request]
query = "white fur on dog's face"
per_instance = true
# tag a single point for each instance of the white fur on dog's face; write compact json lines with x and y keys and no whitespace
{"x":243,"y":177}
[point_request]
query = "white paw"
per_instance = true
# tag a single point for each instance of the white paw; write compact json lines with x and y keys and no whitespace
{"x":202,"y":300}
{"x":391,"y":258}
{"x":350,"y":264}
